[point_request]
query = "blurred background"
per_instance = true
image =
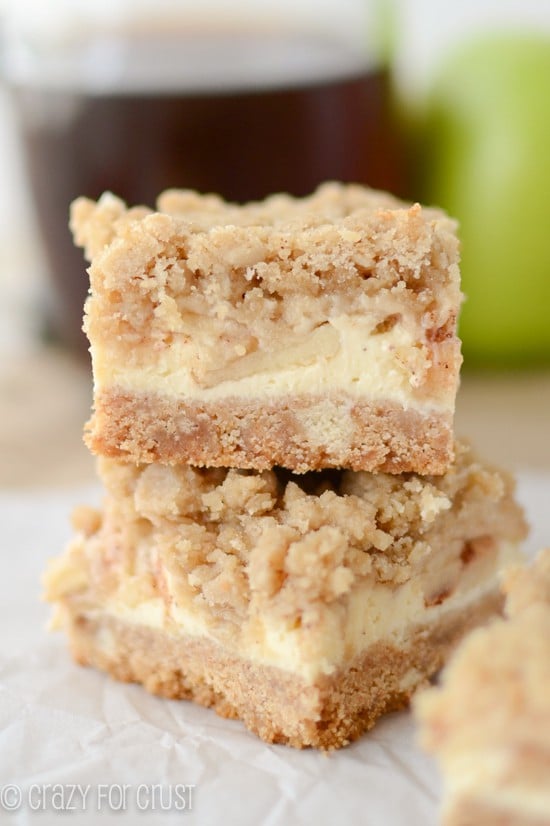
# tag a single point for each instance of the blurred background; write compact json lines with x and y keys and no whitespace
{"x":447,"y":104}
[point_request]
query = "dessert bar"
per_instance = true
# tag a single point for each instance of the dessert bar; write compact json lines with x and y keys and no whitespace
{"x":305,"y":333}
{"x":489,"y":722}
{"x":305,"y":605}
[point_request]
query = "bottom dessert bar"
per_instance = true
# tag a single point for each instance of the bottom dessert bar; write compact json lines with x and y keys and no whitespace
{"x":307,"y":606}
{"x":489,"y":722}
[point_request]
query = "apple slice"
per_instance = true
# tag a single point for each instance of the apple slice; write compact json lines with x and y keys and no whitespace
{"x":323,"y":342}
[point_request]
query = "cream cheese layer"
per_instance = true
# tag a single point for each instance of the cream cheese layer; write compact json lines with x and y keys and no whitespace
{"x":344,"y":356}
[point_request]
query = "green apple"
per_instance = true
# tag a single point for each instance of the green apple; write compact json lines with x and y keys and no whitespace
{"x":486,"y":155}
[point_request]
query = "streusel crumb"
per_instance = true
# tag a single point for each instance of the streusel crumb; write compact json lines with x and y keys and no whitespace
{"x":261,"y":272}
{"x":237,"y":542}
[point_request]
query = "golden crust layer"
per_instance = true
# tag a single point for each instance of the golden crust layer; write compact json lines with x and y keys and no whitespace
{"x":277,"y":706}
{"x":260,"y":435}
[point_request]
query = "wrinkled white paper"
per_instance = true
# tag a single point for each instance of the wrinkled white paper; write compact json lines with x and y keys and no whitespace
{"x":65,"y":727}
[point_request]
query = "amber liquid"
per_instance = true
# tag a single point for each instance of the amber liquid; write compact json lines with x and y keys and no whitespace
{"x":281,"y":134}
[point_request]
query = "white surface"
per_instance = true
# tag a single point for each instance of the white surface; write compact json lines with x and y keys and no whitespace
{"x":63,"y":724}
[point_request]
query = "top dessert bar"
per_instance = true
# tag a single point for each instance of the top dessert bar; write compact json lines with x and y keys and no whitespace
{"x":306,"y":333}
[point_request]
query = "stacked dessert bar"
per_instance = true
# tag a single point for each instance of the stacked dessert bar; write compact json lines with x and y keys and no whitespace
{"x":290,"y":533}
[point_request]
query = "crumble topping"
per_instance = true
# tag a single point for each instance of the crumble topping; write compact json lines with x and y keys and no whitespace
{"x":238,"y":282}
{"x":239,"y":543}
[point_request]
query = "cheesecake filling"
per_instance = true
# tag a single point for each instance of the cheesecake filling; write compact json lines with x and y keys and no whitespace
{"x":349,"y":354}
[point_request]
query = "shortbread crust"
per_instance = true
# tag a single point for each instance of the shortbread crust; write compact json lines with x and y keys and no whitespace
{"x":211,"y":322}
{"x":237,"y":432}
{"x":303,"y":575}
{"x":278,"y":705}
{"x":489,"y":723}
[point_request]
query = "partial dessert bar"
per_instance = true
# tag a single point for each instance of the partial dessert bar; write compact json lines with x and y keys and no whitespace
{"x":305,"y":605}
{"x":489,"y":723}
{"x":305,"y":333}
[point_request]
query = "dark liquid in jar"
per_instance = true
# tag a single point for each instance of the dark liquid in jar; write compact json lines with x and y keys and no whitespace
{"x":286,"y":134}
